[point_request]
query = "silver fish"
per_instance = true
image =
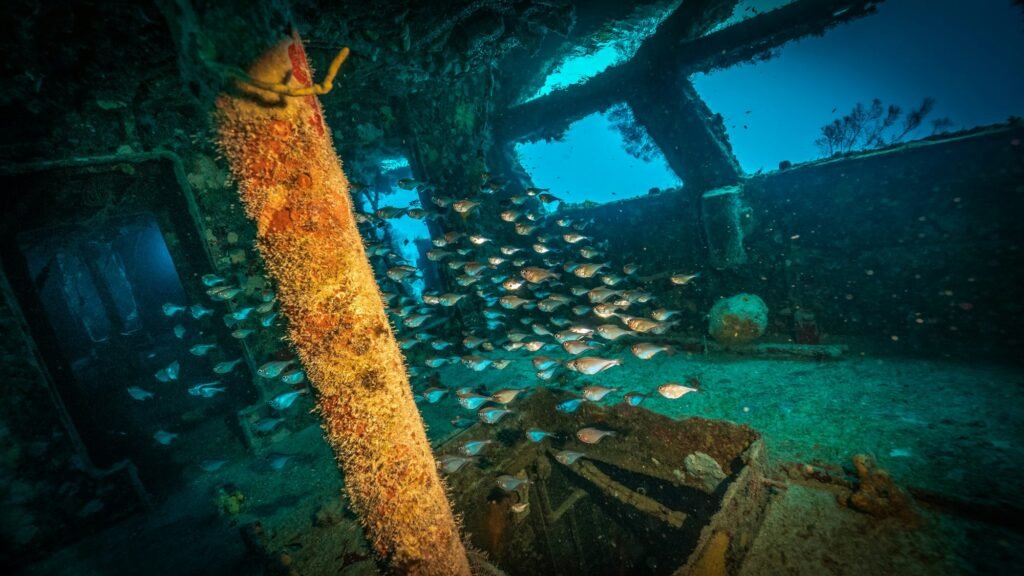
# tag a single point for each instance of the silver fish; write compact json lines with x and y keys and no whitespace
{"x":267,"y":425}
{"x":172,"y":309}
{"x":198,"y":311}
{"x":451,"y":464}
{"x":568,"y":457}
{"x":285,"y":400}
{"x":474,"y":447}
{"x":201,"y":349}
{"x":293,"y":376}
{"x":274,"y":369}
{"x":226,"y":366}
{"x":168,"y":373}
{"x":139,"y":394}
{"x":492,"y":415}
{"x":592,"y":435}
{"x":509,"y":483}
{"x":165,"y":438}
{"x":206,"y":390}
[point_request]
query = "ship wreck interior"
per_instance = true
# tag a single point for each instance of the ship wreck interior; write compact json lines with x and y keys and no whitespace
{"x":873,"y":427}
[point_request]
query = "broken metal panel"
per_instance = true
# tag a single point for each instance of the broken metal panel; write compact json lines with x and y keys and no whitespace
{"x":653,"y":489}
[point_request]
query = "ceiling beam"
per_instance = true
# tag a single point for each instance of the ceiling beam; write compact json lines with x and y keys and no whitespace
{"x":673,"y":47}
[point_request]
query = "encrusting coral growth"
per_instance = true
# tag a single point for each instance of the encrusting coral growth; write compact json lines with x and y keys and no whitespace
{"x":292,"y":185}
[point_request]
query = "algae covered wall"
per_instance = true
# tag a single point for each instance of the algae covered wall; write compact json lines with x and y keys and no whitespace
{"x":914,"y":249}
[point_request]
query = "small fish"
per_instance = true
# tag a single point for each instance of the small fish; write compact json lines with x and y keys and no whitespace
{"x":509,"y":483}
{"x":536,"y":434}
{"x":179,"y":331}
{"x":568,"y":457}
{"x":569,"y":406}
{"x":681,"y":279}
{"x":198,"y":311}
{"x":268,"y":319}
{"x":409,"y":184}
{"x":630,"y":269}
{"x":473,"y":401}
{"x":576,"y":347}
{"x":505,"y":395}
{"x":201,"y":349}
{"x":206,"y":390}
{"x":476,"y":363}
{"x":535,"y":275}
{"x":267,"y":425}
{"x":227,"y":366}
{"x":285,"y":400}
{"x":646,"y":351}
{"x":592,"y":435}
{"x":596,"y":393}
{"x":139,"y":394}
{"x":164,"y":437}
{"x":212,"y":465}
{"x":544,"y":362}
{"x":588,"y":270}
{"x":278,"y":461}
{"x":168,"y":373}
{"x":492,"y":415}
{"x":462,"y":422}
{"x":172,"y":309}
{"x":634,"y":398}
{"x":599,"y":295}
{"x":464,"y":206}
{"x":520,"y":507}
{"x":450,"y":299}
{"x":547,"y":374}
{"x":434,"y":395}
{"x":242,"y":313}
{"x":210,"y":280}
{"x":591,"y":365}
{"x":672,"y":391}
{"x":274,"y":369}
{"x":613,"y":332}
{"x":474,"y":447}
{"x":293,"y":376}
{"x":223,"y":293}
{"x":451,"y":464}
{"x":242,"y":333}
{"x":662,"y":314}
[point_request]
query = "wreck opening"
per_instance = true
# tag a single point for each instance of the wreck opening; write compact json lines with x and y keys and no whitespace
{"x":601,"y":158}
{"x":775,"y":108}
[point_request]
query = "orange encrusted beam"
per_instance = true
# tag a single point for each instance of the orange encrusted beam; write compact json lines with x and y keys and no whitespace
{"x":292,"y":185}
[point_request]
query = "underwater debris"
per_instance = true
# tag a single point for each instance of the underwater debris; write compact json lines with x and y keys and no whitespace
{"x":740,"y":319}
{"x":878,"y":495}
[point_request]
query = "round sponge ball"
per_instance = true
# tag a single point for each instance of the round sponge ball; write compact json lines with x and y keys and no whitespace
{"x":738,"y":320}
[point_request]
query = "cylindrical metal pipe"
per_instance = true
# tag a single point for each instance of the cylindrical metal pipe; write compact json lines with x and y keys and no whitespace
{"x":291,"y":182}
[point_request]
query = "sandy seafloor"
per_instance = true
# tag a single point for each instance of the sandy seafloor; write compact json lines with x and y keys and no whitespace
{"x":943,"y":426}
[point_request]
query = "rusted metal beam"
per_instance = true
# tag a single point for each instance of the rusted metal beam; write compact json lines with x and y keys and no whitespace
{"x":670,"y":49}
{"x":690,"y":136}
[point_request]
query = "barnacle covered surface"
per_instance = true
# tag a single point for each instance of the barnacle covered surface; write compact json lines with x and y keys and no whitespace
{"x":293,"y":187}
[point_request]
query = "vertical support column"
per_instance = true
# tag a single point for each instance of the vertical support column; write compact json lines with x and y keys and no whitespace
{"x":292,"y":185}
{"x":692,"y":138}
